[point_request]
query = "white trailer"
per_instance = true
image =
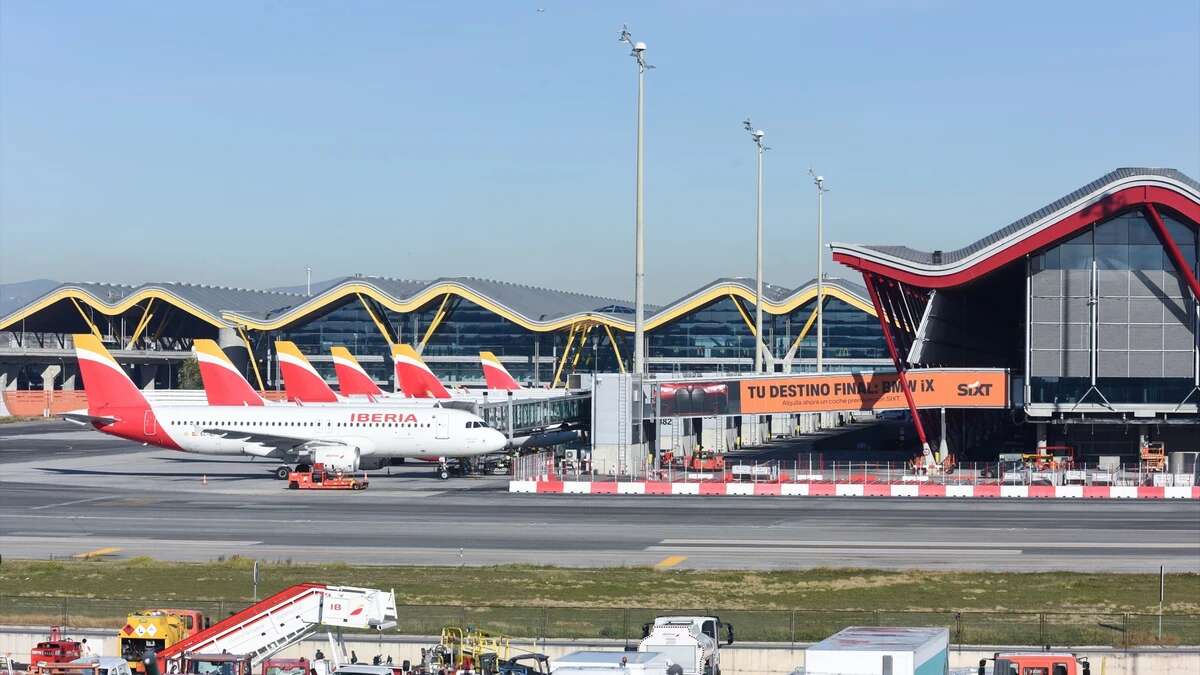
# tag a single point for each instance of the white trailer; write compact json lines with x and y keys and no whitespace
{"x":875,"y":650}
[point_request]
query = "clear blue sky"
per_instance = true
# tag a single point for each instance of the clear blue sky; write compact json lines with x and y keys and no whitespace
{"x":236,"y":142}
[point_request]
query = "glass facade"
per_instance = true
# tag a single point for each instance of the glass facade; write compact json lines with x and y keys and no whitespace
{"x":715,"y":331}
{"x":850,"y":333}
{"x":712,"y":338}
{"x":1108,"y":306}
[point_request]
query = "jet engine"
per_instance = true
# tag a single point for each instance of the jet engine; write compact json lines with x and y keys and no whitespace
{"x":337,"y":458}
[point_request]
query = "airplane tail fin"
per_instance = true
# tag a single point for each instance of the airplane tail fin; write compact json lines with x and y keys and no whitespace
{"x":301,"y":382}
{"x":495,"y":374}
{"x":413,"y":377}
{"x":107,"y":386}
{"x":352,"y":379}
{"x":223,"y":384}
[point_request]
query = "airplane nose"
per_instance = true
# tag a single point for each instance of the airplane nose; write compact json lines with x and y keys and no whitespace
{"x":497,"y":441}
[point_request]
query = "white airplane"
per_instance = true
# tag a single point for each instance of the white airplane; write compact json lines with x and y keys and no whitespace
{"x":346,"y":437}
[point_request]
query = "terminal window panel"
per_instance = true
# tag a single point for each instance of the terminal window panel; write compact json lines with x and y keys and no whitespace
{"x":850,"y":333}
{"x":716,"y":330}
{"x":1145,"y":318}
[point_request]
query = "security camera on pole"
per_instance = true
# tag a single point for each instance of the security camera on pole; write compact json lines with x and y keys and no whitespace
{"x":757,"y":135}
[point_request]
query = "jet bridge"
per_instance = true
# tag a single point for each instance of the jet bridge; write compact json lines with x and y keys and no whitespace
{"x":538,"y":421}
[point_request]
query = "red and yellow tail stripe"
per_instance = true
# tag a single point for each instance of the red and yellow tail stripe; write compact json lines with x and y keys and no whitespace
{"x":352,"y":379}
{"x":495,"y":374}
{"x":223,"y":383}
{"x":413,"y":377}
{"x":301,"y":381}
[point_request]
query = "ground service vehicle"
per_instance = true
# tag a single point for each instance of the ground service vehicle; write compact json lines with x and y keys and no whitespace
{"x":1154,"y":456}
{"x":156,"y":629}
{"x":1036,"y":663}
{"x":526,"y":664}
{"x":316,"y":477}
{"x":1050,"y":458}
{"x":705,"y":460}
{"x":88,"y":665}
{"x":277,"y":666}
{"x":290,"y":614}
{"x":217,"y":664}
{"x":693,"y":642}
{"x":55,"y":650}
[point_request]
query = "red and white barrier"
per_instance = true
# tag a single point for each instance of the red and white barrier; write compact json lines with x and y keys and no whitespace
{"x":852,"y":490}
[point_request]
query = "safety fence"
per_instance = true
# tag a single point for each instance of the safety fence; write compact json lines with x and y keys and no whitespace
{"x":814,"y":469}
{"x":1121,"y":630}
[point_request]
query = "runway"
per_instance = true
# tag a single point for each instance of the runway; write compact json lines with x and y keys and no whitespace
{"x":65,"y":493}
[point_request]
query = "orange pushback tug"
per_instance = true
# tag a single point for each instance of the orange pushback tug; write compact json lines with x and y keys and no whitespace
{"x":318,"y":478}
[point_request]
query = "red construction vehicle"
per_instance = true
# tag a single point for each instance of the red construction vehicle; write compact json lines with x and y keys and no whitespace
{"x":317,"y":478}
{"x":1036,"y":663}
{"x":55,"y":650}
{"x":279,"y":666}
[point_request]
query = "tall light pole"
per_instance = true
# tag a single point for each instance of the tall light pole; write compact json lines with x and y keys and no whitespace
{"x":757,"y":135}
{"x":638,"y":52}
{"x":819,"y":181}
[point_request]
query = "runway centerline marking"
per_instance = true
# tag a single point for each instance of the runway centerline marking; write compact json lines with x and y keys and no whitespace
{"x":669,"y":562}
{"x":77,"y":501}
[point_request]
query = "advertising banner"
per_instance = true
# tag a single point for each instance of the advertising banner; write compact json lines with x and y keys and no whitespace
{"x":931,"y":388}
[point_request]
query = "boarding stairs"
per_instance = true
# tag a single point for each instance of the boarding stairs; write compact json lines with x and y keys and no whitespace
{"x":266,"y":627}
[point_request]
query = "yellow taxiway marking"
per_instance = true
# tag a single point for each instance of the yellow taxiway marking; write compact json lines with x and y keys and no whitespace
{"x":670,"y":561}
{"x":107,"y":550}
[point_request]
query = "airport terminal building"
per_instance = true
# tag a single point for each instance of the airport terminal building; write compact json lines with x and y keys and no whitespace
{"x":1089,"y":302}
{"x":542,"y":335}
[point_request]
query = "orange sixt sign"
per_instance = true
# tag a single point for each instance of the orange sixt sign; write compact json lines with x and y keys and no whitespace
{"x":875,"y":391}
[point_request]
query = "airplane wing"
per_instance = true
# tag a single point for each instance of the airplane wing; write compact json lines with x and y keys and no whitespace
{"x":277,"y":441}
{"x":87,"y":420}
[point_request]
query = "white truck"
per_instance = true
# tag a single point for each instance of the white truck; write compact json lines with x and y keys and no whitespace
{"x":671,"y":645}
{"x":692,"y":642}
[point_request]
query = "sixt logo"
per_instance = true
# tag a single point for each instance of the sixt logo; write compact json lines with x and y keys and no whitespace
{"x":974,"y":389}
{"x":383,"y":417}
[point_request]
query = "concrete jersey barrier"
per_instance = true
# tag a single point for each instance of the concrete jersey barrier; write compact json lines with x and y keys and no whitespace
{"x":716,"y":489}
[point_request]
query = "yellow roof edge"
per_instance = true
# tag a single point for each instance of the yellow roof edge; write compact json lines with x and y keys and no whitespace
{"x":123,"y":305}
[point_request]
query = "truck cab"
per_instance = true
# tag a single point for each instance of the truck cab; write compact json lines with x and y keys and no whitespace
{"x":1036,"y":663}
{"x":217,"y":664}
{"x":55,"y":650}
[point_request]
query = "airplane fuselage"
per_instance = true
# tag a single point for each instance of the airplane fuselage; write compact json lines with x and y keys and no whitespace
{"x":373,"y":431}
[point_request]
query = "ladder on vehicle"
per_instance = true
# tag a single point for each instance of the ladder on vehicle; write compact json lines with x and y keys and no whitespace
{"x":266,"y":627}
